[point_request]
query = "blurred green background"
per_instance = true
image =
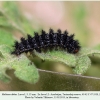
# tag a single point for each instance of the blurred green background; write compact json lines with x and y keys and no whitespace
{"x":80,"y":18}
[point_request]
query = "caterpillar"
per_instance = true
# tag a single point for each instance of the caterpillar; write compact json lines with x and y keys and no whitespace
{"x":45,"y":41}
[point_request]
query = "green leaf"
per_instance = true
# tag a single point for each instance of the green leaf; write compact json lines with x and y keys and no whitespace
{"x":83,"y":63}
{"x":23,"y":69}
{"x":5,"y":52}
{"x":10,"y":16}
{"x":6,"y":37}
{"x":88,"y":51}
{"x":59,"y":56}
{"x":4,"y":63}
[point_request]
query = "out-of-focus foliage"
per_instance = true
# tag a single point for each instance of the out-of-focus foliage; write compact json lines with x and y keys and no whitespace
{"x":6,"y":38}
{"x":15,"y":18}
{"x":79,"y":15}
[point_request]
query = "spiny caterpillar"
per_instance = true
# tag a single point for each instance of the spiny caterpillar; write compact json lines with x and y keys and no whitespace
{"x":46,"y":41}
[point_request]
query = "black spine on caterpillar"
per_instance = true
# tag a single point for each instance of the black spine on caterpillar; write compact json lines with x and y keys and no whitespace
{"x":47,"y":41}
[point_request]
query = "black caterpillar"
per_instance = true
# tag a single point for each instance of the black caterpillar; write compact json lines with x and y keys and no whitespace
{"x":47,"y":41}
